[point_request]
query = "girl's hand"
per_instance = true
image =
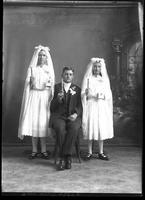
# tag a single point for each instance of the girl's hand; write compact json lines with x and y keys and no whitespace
{"x":31,"y":82}
{"x":88,"y":93}
{"x":100,"y":96}
{"x":48,"y":86}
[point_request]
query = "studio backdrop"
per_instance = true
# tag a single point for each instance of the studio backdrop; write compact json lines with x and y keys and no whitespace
{"x":74,"y":33}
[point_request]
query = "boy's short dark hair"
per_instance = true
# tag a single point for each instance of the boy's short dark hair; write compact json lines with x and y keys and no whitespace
{"x":67,"y":68}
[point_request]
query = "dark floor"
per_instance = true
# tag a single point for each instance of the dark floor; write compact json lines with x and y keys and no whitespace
{"x":121,"y":174}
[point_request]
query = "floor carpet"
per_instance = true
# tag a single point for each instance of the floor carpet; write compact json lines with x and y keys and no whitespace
{"x":122,"y":174}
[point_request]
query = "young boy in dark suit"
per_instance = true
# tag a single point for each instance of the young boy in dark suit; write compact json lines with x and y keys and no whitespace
{"x":66,"y":110}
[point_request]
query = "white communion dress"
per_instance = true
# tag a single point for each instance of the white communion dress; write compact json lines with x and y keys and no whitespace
{"x":35,"y":111}
{"x":97,"y":117}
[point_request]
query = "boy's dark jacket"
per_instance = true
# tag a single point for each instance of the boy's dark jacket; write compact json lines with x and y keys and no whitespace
{"x":75,"y":105}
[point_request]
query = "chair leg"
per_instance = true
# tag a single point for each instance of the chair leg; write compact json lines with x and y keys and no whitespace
{"x":77,"y":146}
{"x":55,"y":154}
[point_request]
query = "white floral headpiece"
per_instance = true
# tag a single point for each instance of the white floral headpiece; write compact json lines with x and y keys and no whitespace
{"x":93,"y":60}
{"x":42,"y":48}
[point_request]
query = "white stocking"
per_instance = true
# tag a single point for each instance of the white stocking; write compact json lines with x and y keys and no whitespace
{"x":100,"y":146}
{"x":43,"y":144}
{"x":90,"y":146}
{"x":34,"y":144}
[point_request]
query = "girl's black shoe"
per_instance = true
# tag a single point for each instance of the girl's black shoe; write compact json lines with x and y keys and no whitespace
{"x":44,"y":155}
{"x":88,"y":157}
{"x":102,"y":156}
{"x":33,"y":155}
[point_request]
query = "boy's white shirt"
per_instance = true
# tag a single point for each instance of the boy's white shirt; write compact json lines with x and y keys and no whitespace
{"x":66,"y":86}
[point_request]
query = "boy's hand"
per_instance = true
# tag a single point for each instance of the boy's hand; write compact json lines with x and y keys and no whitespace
{"x":73,"y":117}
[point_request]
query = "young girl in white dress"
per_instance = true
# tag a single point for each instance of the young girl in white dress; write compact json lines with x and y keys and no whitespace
{"x":37,"y":95}
{"x":97,"y":119}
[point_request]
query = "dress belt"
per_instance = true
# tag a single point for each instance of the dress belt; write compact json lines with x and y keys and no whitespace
{"x":39,"y":89}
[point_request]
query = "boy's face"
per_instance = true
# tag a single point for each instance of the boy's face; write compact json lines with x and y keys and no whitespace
{"x":68,"y":76}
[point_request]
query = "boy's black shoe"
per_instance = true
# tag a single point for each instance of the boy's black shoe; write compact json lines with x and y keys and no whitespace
{"x":68,"y":164}
{"x":61,"y":165}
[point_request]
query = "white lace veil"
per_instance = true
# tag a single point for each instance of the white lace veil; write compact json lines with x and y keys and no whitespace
{"x":49,"y":63}
{"x":33,"y":63}
{"x":88,"y":73}
{"x":87,"y":76}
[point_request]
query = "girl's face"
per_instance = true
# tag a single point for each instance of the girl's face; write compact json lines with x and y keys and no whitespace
{"x":96,"y":69}
{"x":42,"y":57}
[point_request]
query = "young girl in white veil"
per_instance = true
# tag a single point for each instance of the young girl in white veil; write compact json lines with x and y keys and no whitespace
{"x":97,"y":118}
{"x":37,"y":95}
